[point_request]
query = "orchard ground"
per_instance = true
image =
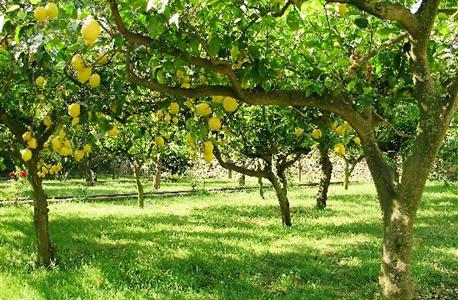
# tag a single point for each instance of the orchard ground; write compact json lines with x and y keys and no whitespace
{"x":224,"y":246}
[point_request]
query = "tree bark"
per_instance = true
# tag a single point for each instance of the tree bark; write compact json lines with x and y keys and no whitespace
{"x":325,"y":181}
{"x":157,"y":176}
{"x":260,"y":182}
{"x":40,"y":216}
{"x":87,"y":173}
{"x":140,"y":192}
{"x":346,"y":174}
{"x":300,"y":170}
{"x":395,"y":275}
{"x":229,"y":174}
{"x":242,"y":180}
{"x":283,"y":201}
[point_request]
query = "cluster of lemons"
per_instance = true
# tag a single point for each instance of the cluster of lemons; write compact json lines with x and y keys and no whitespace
{"x":32,"y":143}
{"x":45,"y":169}
{"x":84,"y":73}
{"x":185,"y":79}
{"x":63,"y":146}
{"x":45,"y":13}
{"x":340,"y":130}
{"x":208,"y":151}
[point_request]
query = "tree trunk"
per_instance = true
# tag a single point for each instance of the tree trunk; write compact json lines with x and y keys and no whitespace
{"x":325,"y":181}
{"x":157,"y":176}
{"x":300,"y":170}
{"x":141,"y":197}
{"x":395,"y":275}
{"x":260,"y":182}
{"x":283,"y":201}
{"x":87,"y":173}
{"x":346,"y":174}
{"x":229,"y":174}
{"x":40,"y":217}
{"x":242,"y":180}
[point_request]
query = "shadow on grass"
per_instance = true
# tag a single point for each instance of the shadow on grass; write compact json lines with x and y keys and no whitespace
{"x":233,"y":252}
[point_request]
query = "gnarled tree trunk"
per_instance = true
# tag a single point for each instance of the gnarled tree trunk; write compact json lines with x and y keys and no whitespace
{"x":325,"y":181}
{"x":395,"y":275}
{"x":283,"y":201}
{"x":40,"y":216}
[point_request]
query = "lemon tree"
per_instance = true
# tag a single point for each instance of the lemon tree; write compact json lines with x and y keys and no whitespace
{"x":51,"y":91}
{"x":357,"y":59}
{"x":264,"y":143}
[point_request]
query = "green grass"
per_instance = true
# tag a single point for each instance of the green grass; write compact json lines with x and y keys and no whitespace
{"x":226,"y":246}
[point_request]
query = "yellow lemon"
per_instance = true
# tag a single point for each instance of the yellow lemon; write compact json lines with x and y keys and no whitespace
{"x":180,"y":74}
{"x":32,"y":143}
{"x":208,"y":146}
{"x":52,"y":10}
{"x":47,"y":121}
{"x":113,"y":131}
{"x":347,"y":126}
{"x":74,"y":110}
{"x":203,"y":109}
{"x":214,"y":123}
{"x":84,"y":74}
{"x":208,"y":156}
{"x":357,"y":141}
{"x":79,"y":155}
{"x":87,"y":148}
{"x":341,"y":8}
{"x":77,"y":62}
{"x":40,"y":13}
{"x":316,"y":134}
{"x":75,"y":121}
{"x":26,"y":154}
{"x":27,"y":136}
{"x":90,"y":30}
{"x":186,"y":85}
{"x":56,"y":144}
{"x":159,"y":140}
{"x":340,"y":130}
{"x":218,"y":99}
{"x":94,"y":81}
{"x":40,"y":81}
{"x":339,"y":148}
{"x":230,"y":104}
{"x":298,"y":132}
{"x":174,"y":108}
{"x":167,"y":117}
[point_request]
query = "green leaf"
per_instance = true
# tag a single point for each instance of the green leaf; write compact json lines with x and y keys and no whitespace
{"x":293,"y":20}
{"x":361,"y":23}
{"x":214,"y":46}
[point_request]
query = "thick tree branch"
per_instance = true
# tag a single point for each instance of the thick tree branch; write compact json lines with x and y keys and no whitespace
{"x":16,"y":127}
{"x":386,"y":11}
{"x":234,"y":167}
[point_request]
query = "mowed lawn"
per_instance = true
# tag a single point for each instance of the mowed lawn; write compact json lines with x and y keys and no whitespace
{"x":226,"y":246}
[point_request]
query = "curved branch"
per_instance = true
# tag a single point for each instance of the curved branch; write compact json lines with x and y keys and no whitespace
{"x":234,"y":167}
